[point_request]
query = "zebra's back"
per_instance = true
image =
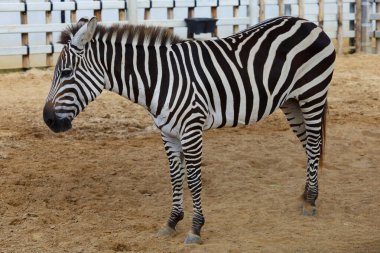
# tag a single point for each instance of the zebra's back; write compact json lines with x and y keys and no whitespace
{"x":245,"y":77}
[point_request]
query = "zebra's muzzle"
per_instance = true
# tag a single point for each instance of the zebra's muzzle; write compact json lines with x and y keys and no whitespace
{"x":55,"y":123}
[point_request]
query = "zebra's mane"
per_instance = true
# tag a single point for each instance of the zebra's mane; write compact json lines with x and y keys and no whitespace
{"x":138,"y":34}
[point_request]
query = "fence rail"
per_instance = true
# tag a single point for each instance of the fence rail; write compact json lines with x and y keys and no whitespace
{"x":121,"y":4}
{"x":340,"y":13}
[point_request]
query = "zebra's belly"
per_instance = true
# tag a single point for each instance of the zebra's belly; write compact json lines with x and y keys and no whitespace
{"x":245,"y":107}
{"x":244,"y":117}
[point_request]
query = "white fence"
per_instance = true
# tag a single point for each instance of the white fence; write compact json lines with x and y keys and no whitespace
{"x":336,"y":16}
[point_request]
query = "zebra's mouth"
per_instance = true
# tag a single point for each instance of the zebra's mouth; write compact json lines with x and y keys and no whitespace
{"x":59,"y":125}
{"x":55,"y":123}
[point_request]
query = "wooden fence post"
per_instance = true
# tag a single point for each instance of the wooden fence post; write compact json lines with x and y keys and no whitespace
{"x":73,"y":13}
{"x":358,"y":26}
{"x":147,"y":11}
{"x":214,"y":14}
{"x":98,"y":13}
{"x":25,"y":37}
{"x":49,"y":36}
{"x":321,"y":12}
{"x":122,"y":16}
{"x":377,"y":27}
{"x":366,"y":45}
{"x":262,"y":10}
{"x":170,"y":14}
{"x":235,"y":14}
{"x":301,"y":8}
{"x":340,"y":27}
{"x":281,"y":7}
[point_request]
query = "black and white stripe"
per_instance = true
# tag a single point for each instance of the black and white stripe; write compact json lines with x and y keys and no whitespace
{"x":190,"y":86}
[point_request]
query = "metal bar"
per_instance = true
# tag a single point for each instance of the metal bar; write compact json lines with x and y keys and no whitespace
{"x":31,"y":28}
{"x":23,"y":50}
{"x":251,"y":12}
{"x":25,"y":36}
{"x":375,"y":16}
{"x":62,"y":5}
{"x":57,"y":27}
{"x":63,"y":15}
{"x":132,"y":11}
{"x":190,"y":14}
{"x":49,"y":35}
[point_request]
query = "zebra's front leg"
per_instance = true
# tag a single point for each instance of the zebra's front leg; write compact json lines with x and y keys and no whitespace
{"x":177,"y":173}
{"x":192,"y":147}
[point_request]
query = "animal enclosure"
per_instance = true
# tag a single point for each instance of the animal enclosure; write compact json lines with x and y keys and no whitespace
{"x":104,"y":185}
{"x":350,"y":23}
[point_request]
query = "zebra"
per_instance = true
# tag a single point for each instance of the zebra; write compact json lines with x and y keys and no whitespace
{"x":191,"y":86}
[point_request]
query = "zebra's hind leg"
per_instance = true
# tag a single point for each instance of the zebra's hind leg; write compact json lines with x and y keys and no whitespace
{"x":177,"y":173}
{"x":294,"y":115}
{"x":306,"y":119}
{"x":314,"y":111}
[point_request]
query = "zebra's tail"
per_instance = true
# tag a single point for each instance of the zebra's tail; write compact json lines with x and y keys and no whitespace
{"x":323,"y":134}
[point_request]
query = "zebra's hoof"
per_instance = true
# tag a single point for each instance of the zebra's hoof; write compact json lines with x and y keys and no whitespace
{"x":166,"y":232}
{"x":309,"y":210}
{"x":193,"y":239}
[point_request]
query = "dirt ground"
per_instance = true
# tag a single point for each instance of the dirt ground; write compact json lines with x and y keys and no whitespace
{"x":104,"y":186}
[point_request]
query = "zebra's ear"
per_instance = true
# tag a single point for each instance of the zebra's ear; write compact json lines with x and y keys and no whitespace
{"x":85,"y":34}
{"x":82,"y":21}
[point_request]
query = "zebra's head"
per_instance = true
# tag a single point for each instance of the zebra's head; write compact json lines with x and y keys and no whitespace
{"x":74,"y":84}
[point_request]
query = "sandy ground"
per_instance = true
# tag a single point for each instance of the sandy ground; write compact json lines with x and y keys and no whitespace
{"x":104,"y":186}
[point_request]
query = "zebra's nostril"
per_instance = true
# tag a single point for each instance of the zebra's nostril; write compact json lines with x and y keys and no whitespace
{"x":48,"y":114}
{"x":49,"y":122}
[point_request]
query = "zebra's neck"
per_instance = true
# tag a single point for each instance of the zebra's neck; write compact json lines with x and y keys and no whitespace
{"x":134,"y":71}
{"x":131,"y":60}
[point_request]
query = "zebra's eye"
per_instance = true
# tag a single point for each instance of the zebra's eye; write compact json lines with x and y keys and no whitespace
{"x":66,"y":73}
